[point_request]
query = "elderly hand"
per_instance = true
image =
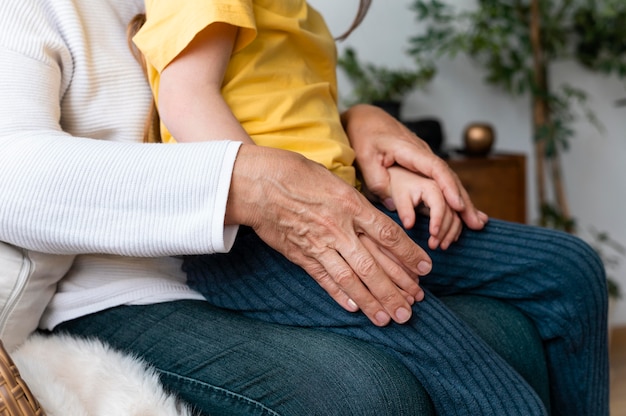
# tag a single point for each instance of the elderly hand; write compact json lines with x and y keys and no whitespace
{"x":357,"y":254}
{"x":380,"y":141}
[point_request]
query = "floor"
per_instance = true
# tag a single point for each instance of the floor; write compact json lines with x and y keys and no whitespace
{"x":618,"y":371}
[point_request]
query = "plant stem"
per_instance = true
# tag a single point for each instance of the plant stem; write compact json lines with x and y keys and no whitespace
{"x":540,"y":105}
{"x":542,"y":125}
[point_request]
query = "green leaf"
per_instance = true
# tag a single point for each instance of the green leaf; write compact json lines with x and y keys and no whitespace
{"x":378,"y":83}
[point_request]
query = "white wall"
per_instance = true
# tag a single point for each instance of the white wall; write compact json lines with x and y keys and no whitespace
{"x":595,"y":171}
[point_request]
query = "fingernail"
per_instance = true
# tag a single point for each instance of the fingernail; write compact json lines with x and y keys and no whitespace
{"x":353,"y":305}
{"x":403,"y":314}
{"x":410,"y":299}
{"x":382,"y":318}
{"x":388,"y":203}
{"x":424,"y":267}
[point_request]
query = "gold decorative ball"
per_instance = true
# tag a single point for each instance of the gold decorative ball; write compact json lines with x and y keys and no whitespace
{"x":478,"y":139}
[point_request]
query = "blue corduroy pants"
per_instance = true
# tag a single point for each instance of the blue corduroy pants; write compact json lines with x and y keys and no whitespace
{"x":554,"y":278}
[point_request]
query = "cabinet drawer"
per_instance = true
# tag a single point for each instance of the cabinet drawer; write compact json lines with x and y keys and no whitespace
{"x":496,"y":183}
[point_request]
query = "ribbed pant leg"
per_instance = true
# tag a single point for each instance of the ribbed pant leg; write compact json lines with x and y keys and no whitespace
{"x":462,"y":375}
{"x":558,"y":281}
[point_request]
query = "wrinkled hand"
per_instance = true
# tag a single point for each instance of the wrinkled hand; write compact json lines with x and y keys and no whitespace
{"x":380,"y":141}
{"x":317,"y":221}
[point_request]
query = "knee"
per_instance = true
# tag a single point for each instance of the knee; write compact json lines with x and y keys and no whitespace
{"x":575,"y":279}
{"x":581,"y":265}
{"x":363,"y":380}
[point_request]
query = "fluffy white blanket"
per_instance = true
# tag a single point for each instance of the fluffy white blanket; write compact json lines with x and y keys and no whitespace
{"x":72,"y":377}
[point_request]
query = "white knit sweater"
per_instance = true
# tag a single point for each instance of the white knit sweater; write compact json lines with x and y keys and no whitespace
{"x":74,"y":177}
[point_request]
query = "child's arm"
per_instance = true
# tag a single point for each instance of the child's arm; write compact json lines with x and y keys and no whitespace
{"x":409,"y":190}
{"x":189,"y":100}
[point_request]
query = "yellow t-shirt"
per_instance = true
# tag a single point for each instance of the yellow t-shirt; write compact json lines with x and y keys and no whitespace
{"x":281,"y":79}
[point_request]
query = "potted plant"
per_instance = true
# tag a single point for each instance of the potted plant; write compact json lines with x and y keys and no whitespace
{"x":516,"y":42}
{"x":379,"y":85}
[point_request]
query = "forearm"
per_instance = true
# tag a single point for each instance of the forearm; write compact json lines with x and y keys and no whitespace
{"x":203,"y":116}
{"x":116,"y":198}
{"x":190,"y":100}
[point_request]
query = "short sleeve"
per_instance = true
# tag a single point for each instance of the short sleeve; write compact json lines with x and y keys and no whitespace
{"x":171,"y":25}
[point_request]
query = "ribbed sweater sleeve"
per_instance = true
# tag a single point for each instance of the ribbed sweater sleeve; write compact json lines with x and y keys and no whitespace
{"x":73,"y":177}
{"x":75,"y":195}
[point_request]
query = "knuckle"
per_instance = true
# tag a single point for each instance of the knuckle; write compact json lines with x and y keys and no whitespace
{"x":365,"y":266}
{"x":318,"y":273}
{"x":390,"y":232}
{"x":395,"y":270}
{"x":440,"y":164}
{"x":432,"y":187}
{"x":349,"y":201}
{"x":410,"y":256}
{"x":344,"y":277}
{"x":387,"y":298}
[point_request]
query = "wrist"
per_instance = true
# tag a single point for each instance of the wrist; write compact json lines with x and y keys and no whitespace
{"x":260,"y":175}
{"x":242,"y":187}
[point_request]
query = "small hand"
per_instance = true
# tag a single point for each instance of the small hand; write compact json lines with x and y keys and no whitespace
{"x":380,"y":141}
{"x":409,"y":191}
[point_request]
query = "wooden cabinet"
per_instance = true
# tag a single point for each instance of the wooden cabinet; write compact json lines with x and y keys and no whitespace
{"x":496,"y":183}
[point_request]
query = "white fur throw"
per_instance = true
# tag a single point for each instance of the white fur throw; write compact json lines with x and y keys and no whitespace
{"x":72,"y":377}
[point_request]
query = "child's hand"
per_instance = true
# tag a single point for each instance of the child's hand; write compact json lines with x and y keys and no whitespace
{"x":380,"y":141}
{"x":409,"y":190}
